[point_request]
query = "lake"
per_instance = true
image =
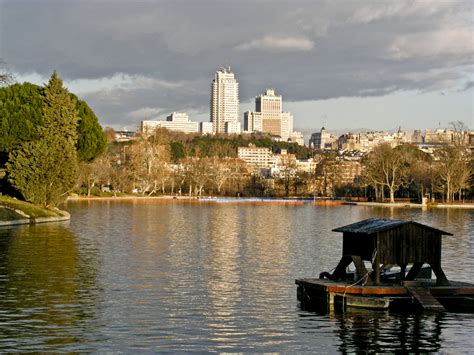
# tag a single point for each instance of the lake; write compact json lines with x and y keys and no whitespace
{"x":175,"y":276}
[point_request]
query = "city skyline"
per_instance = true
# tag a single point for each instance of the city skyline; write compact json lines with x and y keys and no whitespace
{"x":345,"y":66}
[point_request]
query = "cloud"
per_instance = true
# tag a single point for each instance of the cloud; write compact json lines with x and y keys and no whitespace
{"x":274,"y":43}
{"x":449,"y":41}
{"x":131,"y":58}
{"x":400,"y":8}
{"x":145,"y":113}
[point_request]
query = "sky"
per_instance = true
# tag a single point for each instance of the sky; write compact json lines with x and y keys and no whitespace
{"x":347,"y":65}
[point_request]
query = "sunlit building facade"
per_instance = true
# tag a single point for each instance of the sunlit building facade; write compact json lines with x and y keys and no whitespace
{"x":225,"y":102}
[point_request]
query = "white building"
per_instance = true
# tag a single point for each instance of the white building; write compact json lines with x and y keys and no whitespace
{"x":296,"y":137}
{"x":176,"y":121}
{"x":322,"y":140}
{"x":224,"y":101}
{"x":232,"y":127}
{"x":257,"y":157}
{"x":268,"y":116}
{"x":205,"y":127}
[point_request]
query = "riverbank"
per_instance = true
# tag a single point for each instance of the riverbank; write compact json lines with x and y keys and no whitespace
{"x":328,"y":202}
{"x":319,"y":202}
{"x":14,"y":212}
{"x":413,"y":205}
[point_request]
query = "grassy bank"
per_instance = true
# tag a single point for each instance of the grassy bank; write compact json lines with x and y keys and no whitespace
{"x":14,"y":210}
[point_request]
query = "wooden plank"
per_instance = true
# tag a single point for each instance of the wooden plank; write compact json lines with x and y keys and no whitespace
{"x":425,"y":298}
{"x":366,"y":302}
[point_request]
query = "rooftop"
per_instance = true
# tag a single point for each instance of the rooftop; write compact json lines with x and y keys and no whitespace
{"x":375,"y":225}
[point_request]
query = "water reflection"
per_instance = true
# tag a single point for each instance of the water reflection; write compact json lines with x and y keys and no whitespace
{"x":366,"y":331}
{"x":46,"y":288}
{"x":152,"y":276}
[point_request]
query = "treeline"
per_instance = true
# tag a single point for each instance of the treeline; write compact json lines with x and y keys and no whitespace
{"x":171,"y":163}
{"x":406,"y":171}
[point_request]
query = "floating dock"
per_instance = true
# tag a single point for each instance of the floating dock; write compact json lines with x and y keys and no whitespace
{"x":326,"y":295}
{"x":374,"y":246}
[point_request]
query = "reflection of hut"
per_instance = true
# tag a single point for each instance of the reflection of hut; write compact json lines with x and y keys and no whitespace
{"x":390,"y":242}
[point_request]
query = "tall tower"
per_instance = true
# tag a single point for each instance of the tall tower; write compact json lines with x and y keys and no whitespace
{"x":268,"y":116}
{"x":225,"y":102}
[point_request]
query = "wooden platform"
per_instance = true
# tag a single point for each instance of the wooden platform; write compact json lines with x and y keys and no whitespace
{"x":407,"y":296}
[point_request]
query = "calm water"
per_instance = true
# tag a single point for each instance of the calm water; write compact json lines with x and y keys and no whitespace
{"x":157,"y":276}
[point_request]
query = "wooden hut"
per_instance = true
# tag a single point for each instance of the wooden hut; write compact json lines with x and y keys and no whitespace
{"x":390,"y":242}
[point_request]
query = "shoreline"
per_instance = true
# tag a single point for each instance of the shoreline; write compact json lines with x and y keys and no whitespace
{"x":211,"y":199}
{"x":61,"y":217}
{"x":15,"y":212}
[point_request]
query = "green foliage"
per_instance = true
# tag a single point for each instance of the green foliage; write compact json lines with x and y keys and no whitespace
{"x":226,"y":146}
{"x":43,"y":170}
{"x":21,"y":113}
{"x":177,"y":151}
{"x":92,"y":141}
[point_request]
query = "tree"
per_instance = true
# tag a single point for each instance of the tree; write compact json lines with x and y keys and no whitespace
{"x":328,"y":174}
{"x":149,"y":162}
{"x":44,"y":170}
{"x":286,"y":171}
{"x":461,"y":132}
{"x":388,"y":166}
{"x":453,"y":170}
{"x":91,"y":174}
{"x":21,"y":115}
{"x":92,"y":140}
{"x":223,"y":169}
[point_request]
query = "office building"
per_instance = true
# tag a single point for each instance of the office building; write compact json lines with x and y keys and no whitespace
{"x":268,"y":116}
{"x":177,"y":121}
{"x":225,"y":102}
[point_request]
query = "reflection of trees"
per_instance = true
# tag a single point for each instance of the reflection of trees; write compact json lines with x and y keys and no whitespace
{"x":366,"y":331}
{"x":47,"y":288}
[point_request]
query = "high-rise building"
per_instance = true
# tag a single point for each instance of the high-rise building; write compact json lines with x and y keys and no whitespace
{"x":268,"y":116}
{"x":225,"y":102}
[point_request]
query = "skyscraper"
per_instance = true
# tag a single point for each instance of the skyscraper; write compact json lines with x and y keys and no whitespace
{"x":225,"y":102}
{"x":268,"y":116}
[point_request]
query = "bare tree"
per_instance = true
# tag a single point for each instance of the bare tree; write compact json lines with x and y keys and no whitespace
{"x":286,"y":171}
{"x":461,"y":132}
{"x":148,"y":163}
{"x":91,"y":174}
{"x":328,"y":174}
{"x":223,"y":169}
{"x":388,"y":166}
{"x":453,"y":170}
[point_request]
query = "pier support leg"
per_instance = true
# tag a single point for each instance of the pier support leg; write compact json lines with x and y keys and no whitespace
{"x":441,"y":279}
{"x":340,"y":271}
{"x":403,"y":269}
{"x":415,"y":269}
{"x":360,"y":267}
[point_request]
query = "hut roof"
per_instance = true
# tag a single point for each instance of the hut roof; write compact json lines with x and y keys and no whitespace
{"x":375,"y":225}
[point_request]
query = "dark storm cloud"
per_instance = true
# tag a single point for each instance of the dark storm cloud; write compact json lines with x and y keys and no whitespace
{"x":307,"y":50}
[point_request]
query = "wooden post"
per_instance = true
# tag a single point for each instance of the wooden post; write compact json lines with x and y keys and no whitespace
{"x":340,"y":272}
{"x":441,"y":279}
{"x":415,"y":269}
{"x":403,"y":269}
{"x":377,"y":261}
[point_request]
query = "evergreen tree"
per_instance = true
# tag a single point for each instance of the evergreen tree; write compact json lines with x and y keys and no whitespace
{"x":44,"y":170}
{"x":21,"y":114}
{"x":91,"y":140}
